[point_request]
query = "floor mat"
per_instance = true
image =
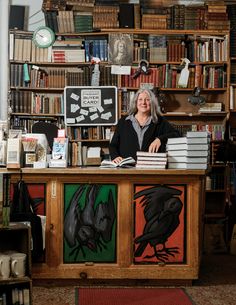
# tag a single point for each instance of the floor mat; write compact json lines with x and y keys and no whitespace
{"x":131,"y":296}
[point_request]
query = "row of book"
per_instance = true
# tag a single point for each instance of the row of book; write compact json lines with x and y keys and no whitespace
{"x":203,"y":49}
{"x":82,"y":20}
{"x":26,"y":122}
{"x":36,"y":103}
{"x":198,"y":16}
{"x":89,"y":133}
{"x":106,"y":16}
{"x":177,"y":16}
{"x":78,"y":51}
{"x":46,"y":77}
{"x":83,"y":155}
{"x":217,"y":181}
{"x":167,"y":76}
{"x":54,"y":5}
{"x":154,"y":48}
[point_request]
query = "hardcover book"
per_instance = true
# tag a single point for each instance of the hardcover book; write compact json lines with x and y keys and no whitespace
{"x":187,"y":146}
{"x":127,"y":162}
{"x":185,"y":159}
{"x":187,"y":140}
{"x":153,"y":166}
{"x":184,"y":165}
{"x":188,"y":153}
{"x":197,"y":134}
{"x":149,"y":154}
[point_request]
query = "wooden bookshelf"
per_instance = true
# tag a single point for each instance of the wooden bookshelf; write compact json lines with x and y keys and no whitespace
{"x":17,"y":238}
{"x":176,"y":106}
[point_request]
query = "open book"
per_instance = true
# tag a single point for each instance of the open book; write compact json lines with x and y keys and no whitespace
{"x":127,"y":162}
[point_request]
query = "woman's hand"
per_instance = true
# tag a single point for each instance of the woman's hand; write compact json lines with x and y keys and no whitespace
{"x":117,"y":160}
{"x":154,"y":146}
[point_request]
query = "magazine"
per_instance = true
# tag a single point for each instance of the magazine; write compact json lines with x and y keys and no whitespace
{"x":127,"y":162}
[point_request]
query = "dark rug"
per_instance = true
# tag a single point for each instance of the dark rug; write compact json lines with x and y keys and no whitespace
{"x":131,"y":296}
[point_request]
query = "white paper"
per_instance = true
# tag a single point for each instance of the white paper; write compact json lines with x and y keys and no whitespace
{"x":124,"y":70}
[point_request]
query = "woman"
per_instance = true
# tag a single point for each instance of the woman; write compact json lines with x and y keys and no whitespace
{"x":144,"y":129}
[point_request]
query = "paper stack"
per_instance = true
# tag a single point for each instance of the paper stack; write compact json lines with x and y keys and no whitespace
{"x":190,"y":152}
{"x":151,"y":160}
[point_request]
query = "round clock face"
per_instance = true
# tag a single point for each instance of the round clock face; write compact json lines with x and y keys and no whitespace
{"x":43,"y":37}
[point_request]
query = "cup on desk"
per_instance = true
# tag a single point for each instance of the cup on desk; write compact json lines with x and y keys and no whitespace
{"x":18,"y":263}
{"x":5,"y":268}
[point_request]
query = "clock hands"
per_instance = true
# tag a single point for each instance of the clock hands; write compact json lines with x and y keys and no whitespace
{"x":43,"y":37}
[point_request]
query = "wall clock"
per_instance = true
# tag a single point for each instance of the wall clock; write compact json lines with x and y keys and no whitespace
{"x":43,"y":37}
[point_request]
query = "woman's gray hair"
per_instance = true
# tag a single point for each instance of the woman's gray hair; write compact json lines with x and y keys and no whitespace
{"x":155,"y":108}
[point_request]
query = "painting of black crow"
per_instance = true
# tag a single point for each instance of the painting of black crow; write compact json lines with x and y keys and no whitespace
{"x":161,"y":208}
{"x":89,"y":221}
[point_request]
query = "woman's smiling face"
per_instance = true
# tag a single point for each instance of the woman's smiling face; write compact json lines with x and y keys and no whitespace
{"x":144,"y":103}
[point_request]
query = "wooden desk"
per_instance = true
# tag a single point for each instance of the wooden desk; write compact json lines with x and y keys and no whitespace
{"x":127,"y":182}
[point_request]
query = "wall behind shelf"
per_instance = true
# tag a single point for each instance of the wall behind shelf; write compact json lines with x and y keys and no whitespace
{"x":34,"y":6}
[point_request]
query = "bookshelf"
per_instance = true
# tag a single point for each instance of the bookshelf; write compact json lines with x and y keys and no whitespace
{"x":16,"y":238}
{"x":42,"y":97}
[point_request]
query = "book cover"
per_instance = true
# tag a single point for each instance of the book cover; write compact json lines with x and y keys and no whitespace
{"x":60,"y":148}
{"x":13,"y":153}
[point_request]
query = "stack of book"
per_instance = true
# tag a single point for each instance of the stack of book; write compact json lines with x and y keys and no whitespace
{"x":151,"y":160}
{"x":190,"y":152}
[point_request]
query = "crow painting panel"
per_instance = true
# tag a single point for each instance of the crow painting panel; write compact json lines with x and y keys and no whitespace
{"x":90,"y":223}
{"x":159,"y":225}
